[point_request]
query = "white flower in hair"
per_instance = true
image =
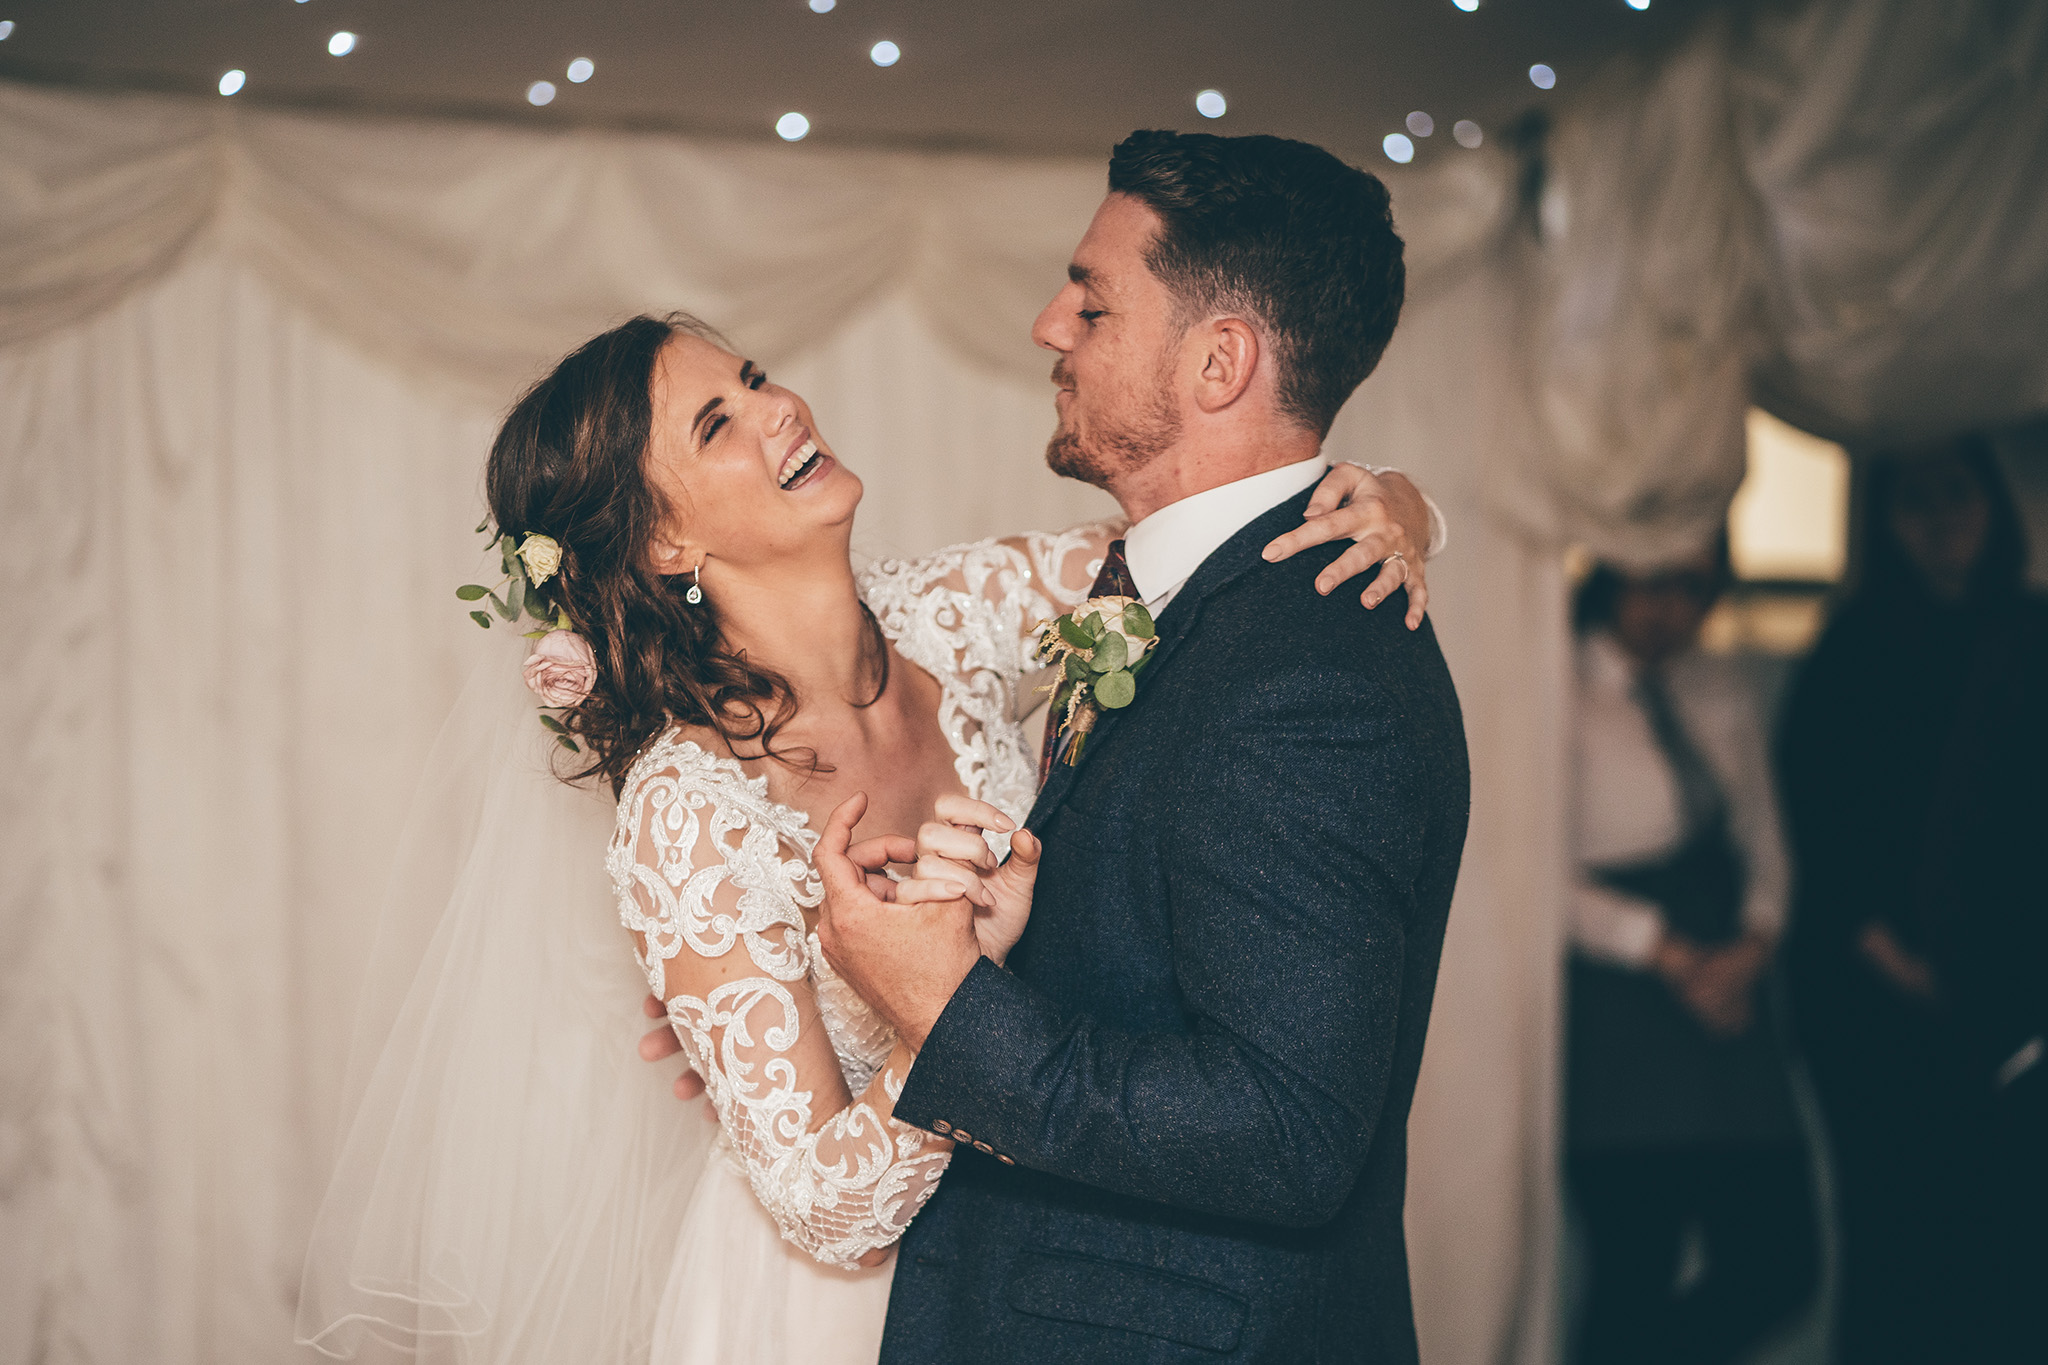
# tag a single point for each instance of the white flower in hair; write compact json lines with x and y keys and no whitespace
{"x":542,"y":556}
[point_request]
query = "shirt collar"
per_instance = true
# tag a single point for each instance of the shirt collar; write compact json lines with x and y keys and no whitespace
{"x":1165,"y":549}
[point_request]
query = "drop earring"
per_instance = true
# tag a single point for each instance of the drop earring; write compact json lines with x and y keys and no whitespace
{"x":696,"y":592}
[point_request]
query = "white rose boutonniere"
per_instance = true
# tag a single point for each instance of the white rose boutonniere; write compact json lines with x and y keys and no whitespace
{"x":1100,"y":648}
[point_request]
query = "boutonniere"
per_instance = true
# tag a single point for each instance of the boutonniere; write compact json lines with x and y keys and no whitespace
{"x":1100,"y":648}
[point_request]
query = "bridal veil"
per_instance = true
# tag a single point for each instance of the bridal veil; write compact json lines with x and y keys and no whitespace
{"x":511,"y":1184}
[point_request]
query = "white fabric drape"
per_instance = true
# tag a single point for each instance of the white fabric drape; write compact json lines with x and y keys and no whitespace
{"x":250,"y":362}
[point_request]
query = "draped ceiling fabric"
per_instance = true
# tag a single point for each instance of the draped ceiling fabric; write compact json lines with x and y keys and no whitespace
{"x":250,"y":362}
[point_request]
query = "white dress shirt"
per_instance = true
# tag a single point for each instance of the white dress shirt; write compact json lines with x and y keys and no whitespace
{"x":1166,"y":548}
{"x":1627,"y":802}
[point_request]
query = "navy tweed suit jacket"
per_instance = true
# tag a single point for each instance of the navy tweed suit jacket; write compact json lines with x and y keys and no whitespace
{"x":1180,"y":1108}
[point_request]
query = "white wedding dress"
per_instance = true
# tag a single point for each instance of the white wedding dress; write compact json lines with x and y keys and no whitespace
{"x":715,"y":878}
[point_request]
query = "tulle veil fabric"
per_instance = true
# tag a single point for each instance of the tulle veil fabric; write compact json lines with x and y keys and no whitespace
{"x":512,"y":1181}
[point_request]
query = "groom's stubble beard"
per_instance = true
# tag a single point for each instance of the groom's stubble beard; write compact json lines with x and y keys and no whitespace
{"x":1121,"y":442}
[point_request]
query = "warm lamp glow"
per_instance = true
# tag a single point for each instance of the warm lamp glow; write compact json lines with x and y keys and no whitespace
{"x":1790,"y":518}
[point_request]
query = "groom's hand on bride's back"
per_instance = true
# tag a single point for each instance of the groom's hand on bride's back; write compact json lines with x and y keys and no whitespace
{"x":661,"y":1044}
{"x":904,"y":946}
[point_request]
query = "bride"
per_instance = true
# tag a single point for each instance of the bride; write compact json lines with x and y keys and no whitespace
{"x":513,"y":1187}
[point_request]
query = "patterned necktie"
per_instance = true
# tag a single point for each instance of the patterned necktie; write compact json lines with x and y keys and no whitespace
{"x":1700,"y":796}
{"x":1113,"y":581}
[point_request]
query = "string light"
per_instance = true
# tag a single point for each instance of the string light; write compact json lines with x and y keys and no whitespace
{"x":1421,"y":124}
{"x":342,"y":43}
{"x":581,"y":70}
{"x":822,"y":6}
{"x":1638,"y":4}
{"x":539,"y":93}
{"x":1542,"y":77}
{"x":884,"y":53}
{"x":232,"y":81}
{"x":1211,"y":104}
{"x":792,"y":126}
{"x":1468,"y":134}
{"x":6,"y":29}
{"x":1398,"y":148}
{"x":1466,"y":5}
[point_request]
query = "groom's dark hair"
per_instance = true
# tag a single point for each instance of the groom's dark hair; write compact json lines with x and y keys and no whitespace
{"x":1283,"y":234}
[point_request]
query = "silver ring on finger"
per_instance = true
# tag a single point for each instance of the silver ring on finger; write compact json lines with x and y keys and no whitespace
{"x":1396,"y":554}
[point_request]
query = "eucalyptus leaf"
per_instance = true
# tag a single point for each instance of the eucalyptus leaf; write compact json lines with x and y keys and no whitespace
{"x":498,"y":605}
{"x":1075,"y":668}
{"x":534,"y":634}
{"x":515,"y":597}
{"x":1073,"y":634}
{"x":483,"y":526}
{"x":1111,"y":655}
{"x":553,"y":724}
{"x":567,"y":743}
{"x":506,"y":545}
{"x":1138,"y":621}
{"x":1116,"y":690}
{"x":470,"y":592}
{"x":481,"y":619}
{"x":1093,"y":625}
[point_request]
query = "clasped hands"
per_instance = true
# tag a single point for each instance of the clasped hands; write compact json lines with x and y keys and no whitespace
{"x":1718,"y":985}
{"x":906,"y":945}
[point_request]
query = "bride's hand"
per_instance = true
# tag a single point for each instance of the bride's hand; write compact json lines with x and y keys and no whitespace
{"x":950,"y":849}
{"x":1383,"y":514}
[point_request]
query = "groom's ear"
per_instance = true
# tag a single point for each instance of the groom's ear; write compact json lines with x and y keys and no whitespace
{"x":1230,"y":359}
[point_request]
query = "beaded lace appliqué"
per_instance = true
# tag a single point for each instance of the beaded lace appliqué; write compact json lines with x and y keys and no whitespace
{"x":703,"y":861}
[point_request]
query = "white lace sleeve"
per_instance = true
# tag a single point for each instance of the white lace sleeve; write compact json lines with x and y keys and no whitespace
{"x":713,"y":877}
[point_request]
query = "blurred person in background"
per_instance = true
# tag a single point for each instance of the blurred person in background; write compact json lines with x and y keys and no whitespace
{"x":1681,"y":1129}
{"x":1915,"y":766}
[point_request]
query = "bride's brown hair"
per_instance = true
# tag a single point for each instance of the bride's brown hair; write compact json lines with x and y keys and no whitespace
{"x":570,"y":462}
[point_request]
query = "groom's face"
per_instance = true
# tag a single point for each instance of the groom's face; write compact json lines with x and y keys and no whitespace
{"x":1114,"y":329}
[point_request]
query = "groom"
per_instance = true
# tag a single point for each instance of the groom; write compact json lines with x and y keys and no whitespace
{"x":1179,"y":1107}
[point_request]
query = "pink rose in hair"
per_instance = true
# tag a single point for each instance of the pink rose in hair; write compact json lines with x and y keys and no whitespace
{"x":561,"y":670}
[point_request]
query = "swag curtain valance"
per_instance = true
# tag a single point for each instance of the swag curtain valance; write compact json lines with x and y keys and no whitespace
{"x":1841,"y":209}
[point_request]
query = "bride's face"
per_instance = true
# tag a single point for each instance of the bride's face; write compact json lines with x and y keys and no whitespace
{"x":738,"y":459}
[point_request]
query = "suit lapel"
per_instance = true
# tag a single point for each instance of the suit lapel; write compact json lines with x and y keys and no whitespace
{"x":1221,"y":568}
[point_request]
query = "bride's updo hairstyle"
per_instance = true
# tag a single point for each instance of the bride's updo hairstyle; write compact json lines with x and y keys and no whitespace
{"x":570,"y":462}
